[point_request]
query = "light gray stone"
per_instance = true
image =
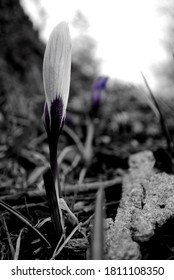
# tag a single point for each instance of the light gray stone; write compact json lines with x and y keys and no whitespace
{"x":147,"y":202}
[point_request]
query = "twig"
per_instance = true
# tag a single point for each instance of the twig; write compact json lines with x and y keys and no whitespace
{"x":68,"y":190}
{"x":86,"y":187}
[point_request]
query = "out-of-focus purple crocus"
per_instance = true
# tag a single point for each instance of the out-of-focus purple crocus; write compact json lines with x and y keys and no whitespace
{"x":98,"y":89}
{"x":56,"y":80}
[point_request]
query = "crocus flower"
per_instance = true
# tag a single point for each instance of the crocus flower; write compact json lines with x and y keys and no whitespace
{"x":56,"y":80}
{"x":98,"y":89}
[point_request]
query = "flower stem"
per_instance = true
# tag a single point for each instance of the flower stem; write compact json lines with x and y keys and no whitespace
{"x":54,"y":166}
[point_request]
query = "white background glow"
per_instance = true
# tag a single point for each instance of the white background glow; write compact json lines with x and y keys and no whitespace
{"x":127,"y":32}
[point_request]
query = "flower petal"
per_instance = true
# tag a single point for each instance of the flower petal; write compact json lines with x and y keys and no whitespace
{"x":57,"y":66}
{"x":56,"y":116}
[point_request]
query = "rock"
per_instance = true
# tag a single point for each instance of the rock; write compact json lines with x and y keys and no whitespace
{"x":147,"y":203}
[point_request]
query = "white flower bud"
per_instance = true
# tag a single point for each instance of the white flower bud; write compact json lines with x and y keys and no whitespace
{"x":57,"y":67}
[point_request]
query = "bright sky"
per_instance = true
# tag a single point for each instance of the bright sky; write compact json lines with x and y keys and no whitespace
{"x":127,"y":32}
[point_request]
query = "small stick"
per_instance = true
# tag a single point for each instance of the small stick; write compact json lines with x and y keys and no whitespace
{"x":69,"y":189}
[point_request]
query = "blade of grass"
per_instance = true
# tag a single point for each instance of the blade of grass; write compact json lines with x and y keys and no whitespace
{"x":57,"y":246}
{"x":149,"y":101}
{"x":24,"y":220}
{"x":73,"y":165}
{"x":78,"y":227}
{"x":35,"y":174}
{"x":64,"y":152}
{"x":41,"y":223}
{"x":80,"y":181}
{"x":18,"y":244}
{"x":98,"y":233}
{"x":167,"y":107}
{"x":88,"y":147}
{"x":162,"y":120}
{"x":71,"y":217}
{"x":75,"y":138}
{"x":8,"y":237}
{"x":57,"y":252}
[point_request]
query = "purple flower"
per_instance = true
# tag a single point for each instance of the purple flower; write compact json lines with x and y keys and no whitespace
{"x":98,"y":90}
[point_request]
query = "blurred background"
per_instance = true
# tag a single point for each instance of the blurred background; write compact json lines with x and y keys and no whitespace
{"x":117,"y":39}
{"x":125,"y":37}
